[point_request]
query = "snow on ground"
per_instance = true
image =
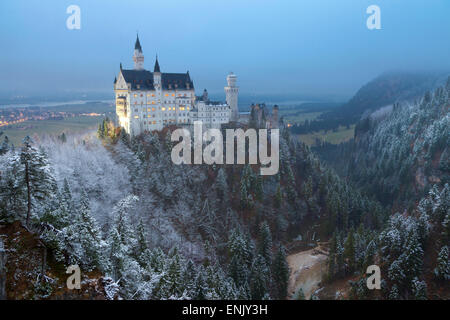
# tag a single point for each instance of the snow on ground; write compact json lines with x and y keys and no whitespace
{"x":307,"y":268}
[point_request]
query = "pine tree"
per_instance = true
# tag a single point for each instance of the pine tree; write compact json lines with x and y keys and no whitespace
{"x":291,"y":194}
{"x":259,"y":278}
{"x":332,"y":258}
{"x":89,"y":235}
{"x":141,"y":253}
{"x":4,"y":148}
{"x":278,"y":197}
{"x":121,"y":222}
{"x":244,"y":195}
{"x":168,"y":142}
{"x":200,"y":289}
{"x":412,"y":257}
{"x":117,"y":254}
{"x":446,"y":227}
{"x":101,"y":130}
{"x":12,"y":190}
{"x":189,"y":279}
{"x":265,"y":243}
{"x":419,"y":289}
{"x":259,"y":188}
{"x":396,"y":273}
{"x":394,"y":294}
{"x":106,"y":128}
{"x":222,"y":186}
{"x":120,"y":240}
{"x":299,"y":295}
{"x":442,"y":270}
{"x":34,"y":175}
{"x":125,"y":137}
{"x":240,"y":257}
{"x":369,"y":254}
{"x":349,"y":251}
{"x":66,"y":197}
{"x":171,"y":280}
{"x":280,"y":269}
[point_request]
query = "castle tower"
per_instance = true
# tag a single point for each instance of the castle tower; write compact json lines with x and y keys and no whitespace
{"x":157,"y":74}
{"x":231,"y":92}
{"x":138,"y":56}
{"x":274,"y":123}
{"x":205,"y":95}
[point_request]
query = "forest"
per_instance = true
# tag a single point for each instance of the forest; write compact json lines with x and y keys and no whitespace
{"x":121,"y":210}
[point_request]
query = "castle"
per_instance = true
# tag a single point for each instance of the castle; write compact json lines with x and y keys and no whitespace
{"x":147,"y":101}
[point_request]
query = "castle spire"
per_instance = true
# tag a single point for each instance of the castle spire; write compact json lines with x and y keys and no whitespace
{"x":137,"y":45}
{"x":138,"y":56}
{"x":157,"y":69}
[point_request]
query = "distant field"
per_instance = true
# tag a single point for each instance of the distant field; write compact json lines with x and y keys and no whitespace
{"x":301,"y":117}
{"x":343,"y":134}
{"x":306,"y":111}
{"x":77,"y":124}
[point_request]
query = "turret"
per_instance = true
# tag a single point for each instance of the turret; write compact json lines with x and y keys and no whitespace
{"x":157,"y":74}
{"x":205,"y":95}
{"x":138,"y":56}
{"x":231,"y":92}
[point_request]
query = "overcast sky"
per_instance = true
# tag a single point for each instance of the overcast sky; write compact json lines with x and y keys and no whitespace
{"x":282,"y":46}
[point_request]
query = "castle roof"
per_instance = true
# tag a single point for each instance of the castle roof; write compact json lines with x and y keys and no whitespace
{"x":156,"y":69}
{"x":169,"y":81}
{"x":137,"y":45}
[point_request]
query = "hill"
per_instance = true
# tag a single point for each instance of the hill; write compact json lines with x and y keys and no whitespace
{"x":385,"y":90}
{"x":398,"y":153}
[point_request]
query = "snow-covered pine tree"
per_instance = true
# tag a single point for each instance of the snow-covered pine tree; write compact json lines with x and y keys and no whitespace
{"x":221,"y":185}
{"x":4,"y":148}
{"x":259,"y":278}
{"x":12,"y":190}
{"x":265,"y":242}
{"x":419,"y":289}
{"x":280,"y":271}
{"x":35,"y":175}
{"x":89,"y":235}
{"x":349,"y":251}
{"x":141,"y":251}
{"x":442,"y":270}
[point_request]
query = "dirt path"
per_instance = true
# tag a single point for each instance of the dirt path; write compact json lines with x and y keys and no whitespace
{"x":307,"y":268}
